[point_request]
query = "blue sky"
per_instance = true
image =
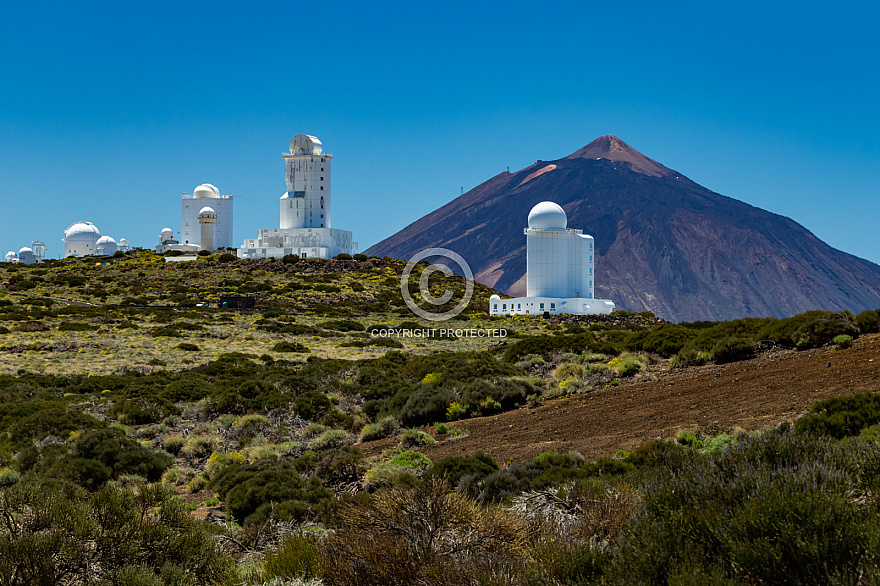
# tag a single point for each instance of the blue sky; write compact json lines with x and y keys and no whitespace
{"x":109,"y":111}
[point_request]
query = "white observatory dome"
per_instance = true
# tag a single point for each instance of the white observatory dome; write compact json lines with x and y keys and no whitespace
{"x":547,"y":216}
{"x":167,"y":232}
{"x":123,"y":242}
{"x":207,"y":211}
{"x":494,"y":298}
{"x":304,"y":144}
{"x":105,"y":240}
{"x":81,"y":232}
{"x":206,"y":191}
{"x":24,"y":250}
{"x":11,"y":256}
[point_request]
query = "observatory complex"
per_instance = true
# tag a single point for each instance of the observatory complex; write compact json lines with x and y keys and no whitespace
{"x":191,"y":232}
{"x":559,"y":269}
{"x":304,"y":228}
{"x":84,"y":239}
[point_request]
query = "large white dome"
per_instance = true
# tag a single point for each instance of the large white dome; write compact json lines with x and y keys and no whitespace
{"x":206,"y":191}
{"x":25,"y":250}
{"x":105,"y":240}
{"x":547,"y":216}
{"x":81,"y":232}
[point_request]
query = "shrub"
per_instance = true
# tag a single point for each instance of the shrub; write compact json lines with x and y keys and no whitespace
{"x":69,"y":326}
{"x":869,"y":321}
{"x":427,"y":404}
{"x":173,"y":443}
{"x":289,"y":347}
{"x":839,"y":417}
{"x":290,"y":259}
{"x":342,"y":256}
{"x":297,"y":557}
{"x":116,"y":454}
{"x":188,"y":347}
{"x":453,"y":468}
{"x":843,"y":341}
{"x":115,"y":536}
{"x":388,"y":427}
{"x":343,"y":325}
{"x":226,"y":257}
{"x":248,"y":488}
{"x":733,"y":349}
{"x":312,"y":404}
{"x":568,"y":370}
{"x":415,"y":438}
{"x":360,"y":257}
{"x":332,"y":438}
{"x":626,"y":366}
{"x":822,"y":330}
{"x":200,"y":446}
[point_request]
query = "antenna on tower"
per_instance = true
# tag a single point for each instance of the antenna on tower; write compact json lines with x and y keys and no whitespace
{"x":462,"y":190}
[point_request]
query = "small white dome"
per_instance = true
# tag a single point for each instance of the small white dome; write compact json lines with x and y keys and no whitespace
{"x":82,"y":232}
{"x":167,"y":231}
{"x":207,"y":211}
{"x":547,"y":216}
{"x":105,"y":240}
{"x":494,"y":298}
{"x":25,"y":250}
{"x":206,"y":191}
{"x":10,"y":256}
{"x":123,"y":242}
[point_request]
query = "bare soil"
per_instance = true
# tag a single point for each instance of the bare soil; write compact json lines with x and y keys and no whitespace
{"x":753,"y":394}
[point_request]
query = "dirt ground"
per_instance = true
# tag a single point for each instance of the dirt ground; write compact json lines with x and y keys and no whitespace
{"x":753,"y":394}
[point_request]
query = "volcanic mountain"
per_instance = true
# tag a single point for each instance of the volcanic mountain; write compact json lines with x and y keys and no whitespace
{"x":664,"y":243}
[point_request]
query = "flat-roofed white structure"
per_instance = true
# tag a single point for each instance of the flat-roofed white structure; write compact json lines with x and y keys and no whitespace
{"x":559,"y":269}
{"x":304,"y":227}
{"x":190,"y":228}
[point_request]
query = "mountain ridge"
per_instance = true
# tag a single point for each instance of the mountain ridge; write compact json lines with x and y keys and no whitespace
{"x":663,"y":242}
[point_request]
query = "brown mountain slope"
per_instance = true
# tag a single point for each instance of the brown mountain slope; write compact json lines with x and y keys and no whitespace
{"x":664,"y":243}
{"x":754,"y":394}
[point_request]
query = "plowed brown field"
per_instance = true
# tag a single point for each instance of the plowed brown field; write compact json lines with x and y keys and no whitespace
{"x":752,"y":394}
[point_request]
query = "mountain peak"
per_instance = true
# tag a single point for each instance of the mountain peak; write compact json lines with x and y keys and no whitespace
{"x":612,"y":148}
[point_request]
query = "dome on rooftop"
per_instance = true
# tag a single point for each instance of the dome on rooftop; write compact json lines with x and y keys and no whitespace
{"x":547,"y":216}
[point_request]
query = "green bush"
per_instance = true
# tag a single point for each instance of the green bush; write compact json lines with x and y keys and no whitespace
{"x":342,"y":256}
{"x":289,"y":347}
{"x":453,"y":468}
{"x":343,"y":325}
{"x":733,"y":349}
{"x":822,"y":330}
{"x":290,"y":259}
{"x":226,"y":257}
{"x":773,"y":509}
{"x":250,"y":490}
{"x":102,"y":454}
{"x":297,"y":557}
{"x":869,"y":321}
{"x":188,"y":347}
{"x":312,"y":404}
{"x":115,"y":536}
{"x":839,"y":417}
{"x":843,"y":341}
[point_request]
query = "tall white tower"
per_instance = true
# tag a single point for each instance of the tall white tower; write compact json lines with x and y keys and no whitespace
{"x":207,"y":221}
{"x":559,"y":261}
{"x":190,"y":230}
{"x":307,"y":172}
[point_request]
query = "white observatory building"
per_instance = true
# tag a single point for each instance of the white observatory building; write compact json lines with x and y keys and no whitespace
{"x":105,"y":246}
{"x":26,"y":256}
{"x":304,"y":228}
{"x":559,"y":269}
{"x":81,"y":239}
{"x":206,"y":195}
{"x":207,"y":223}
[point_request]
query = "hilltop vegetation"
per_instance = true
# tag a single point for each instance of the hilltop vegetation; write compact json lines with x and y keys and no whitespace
{"x":227,"y":443}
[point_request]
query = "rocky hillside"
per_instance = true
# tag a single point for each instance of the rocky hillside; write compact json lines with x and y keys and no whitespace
{"x":664,"y":243}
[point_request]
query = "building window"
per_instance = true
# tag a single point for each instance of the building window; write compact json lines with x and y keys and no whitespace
{"x":504,"y":306}
{"x":495,"y":307}
{"x":322,"y":177}
{"x":519,"y":306}
{"x":552,"y":306}
{"x":322,"y":188}
{"x":542,"y":306}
